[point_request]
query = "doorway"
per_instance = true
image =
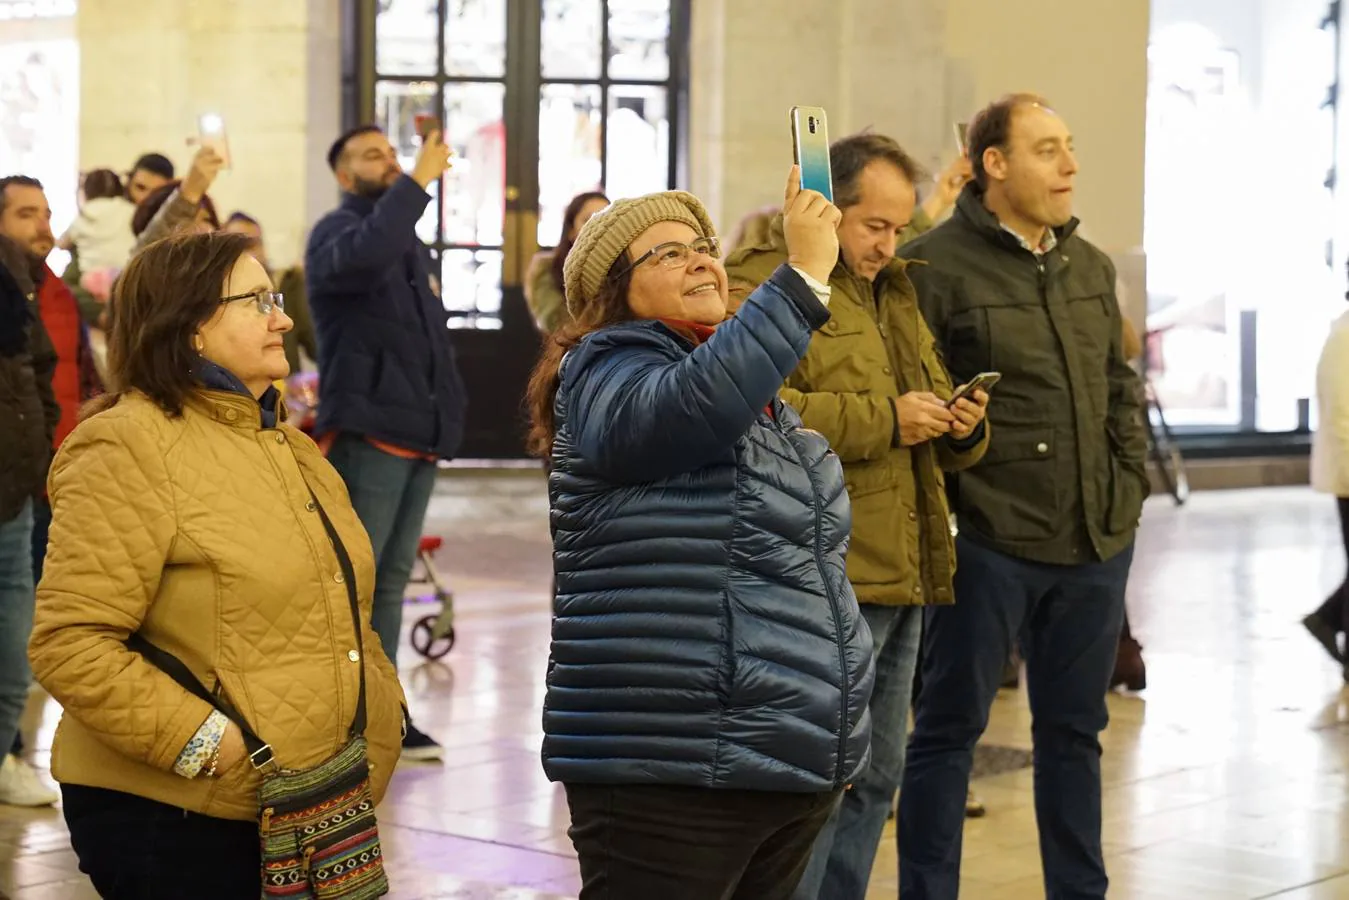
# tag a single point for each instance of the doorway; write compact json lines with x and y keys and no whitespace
{"x":540,"y":100}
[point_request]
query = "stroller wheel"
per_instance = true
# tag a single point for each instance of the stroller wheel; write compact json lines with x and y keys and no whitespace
{"x":425,"y":642}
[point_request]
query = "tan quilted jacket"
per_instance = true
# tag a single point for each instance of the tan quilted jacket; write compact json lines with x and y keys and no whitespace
{"x":200,"y":533}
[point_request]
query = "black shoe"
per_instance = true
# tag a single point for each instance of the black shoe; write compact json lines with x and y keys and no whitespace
{"x":419,"y":746}
{"x":1325,"y":636}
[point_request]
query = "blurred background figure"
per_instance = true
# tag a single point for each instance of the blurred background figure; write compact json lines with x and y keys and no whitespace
{"x":391,"y":399}
{"x":151,"y":171}
{"x":177,"y":205}
{"x":1330,"y":475}
{"x":101,"y":233}
{"x":543,"y":284}
{"x":28,"y":416}
{"x":290,"y":282}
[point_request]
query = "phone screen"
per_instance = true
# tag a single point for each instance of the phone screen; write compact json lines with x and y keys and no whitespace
{"x":211,"y":133}
{"x":810,"y":145}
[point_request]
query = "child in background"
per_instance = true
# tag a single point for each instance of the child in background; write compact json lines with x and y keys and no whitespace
{"x":102,"y":231}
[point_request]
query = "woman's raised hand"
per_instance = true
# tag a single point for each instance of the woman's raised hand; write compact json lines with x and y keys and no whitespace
{"x":811,"y":225}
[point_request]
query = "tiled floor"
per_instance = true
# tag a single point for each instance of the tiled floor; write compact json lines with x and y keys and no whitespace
{"x":1227,"y":778}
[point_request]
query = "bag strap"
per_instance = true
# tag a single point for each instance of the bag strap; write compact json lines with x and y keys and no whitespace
{"x":349,"y":576}
{"x":259,"y":751}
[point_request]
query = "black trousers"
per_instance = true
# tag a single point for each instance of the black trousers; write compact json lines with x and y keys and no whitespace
{"x":136,"y":849}
{"x":1335,"y":611}
{"x":686,"y":843}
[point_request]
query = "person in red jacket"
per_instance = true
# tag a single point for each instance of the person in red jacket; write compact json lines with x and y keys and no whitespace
{"x":26,"y":217}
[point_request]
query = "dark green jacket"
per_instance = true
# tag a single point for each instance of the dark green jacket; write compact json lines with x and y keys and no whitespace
{"x":1063,"y":480}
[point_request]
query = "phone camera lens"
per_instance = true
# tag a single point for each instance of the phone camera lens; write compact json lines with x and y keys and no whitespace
{"x":811,"y":122}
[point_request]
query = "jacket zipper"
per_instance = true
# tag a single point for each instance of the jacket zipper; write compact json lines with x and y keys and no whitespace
{"x":838,"y":617}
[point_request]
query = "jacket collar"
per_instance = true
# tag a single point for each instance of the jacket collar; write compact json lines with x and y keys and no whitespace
{"x":231,"y":402}
{"x":357,"y":204}
{"x":971,"y":210}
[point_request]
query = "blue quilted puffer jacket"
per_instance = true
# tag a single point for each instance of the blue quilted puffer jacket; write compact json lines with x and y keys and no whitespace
{"x":704,"y":631}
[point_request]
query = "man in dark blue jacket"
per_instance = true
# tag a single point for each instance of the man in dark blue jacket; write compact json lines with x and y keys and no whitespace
{"x":392,"y":402}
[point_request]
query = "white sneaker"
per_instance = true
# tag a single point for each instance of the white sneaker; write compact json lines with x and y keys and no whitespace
{"x":21,"y":786}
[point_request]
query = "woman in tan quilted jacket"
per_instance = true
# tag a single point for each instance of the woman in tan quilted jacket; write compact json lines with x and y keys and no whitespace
{"x":185,"y":512}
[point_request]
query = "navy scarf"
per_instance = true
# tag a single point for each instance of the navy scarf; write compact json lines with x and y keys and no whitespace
{"x":217,"y":378}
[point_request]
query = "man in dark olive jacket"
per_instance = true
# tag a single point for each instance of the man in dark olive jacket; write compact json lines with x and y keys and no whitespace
{"x":391,"y":403}
{"x":1046,"y":520}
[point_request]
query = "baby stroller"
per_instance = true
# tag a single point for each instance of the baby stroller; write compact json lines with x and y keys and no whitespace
{"x":432,"y":635}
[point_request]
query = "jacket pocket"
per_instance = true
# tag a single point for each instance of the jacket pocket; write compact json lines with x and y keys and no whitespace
{"x":242,"y":779}
{"x":884,"y":524}
{"x":1013,"y":494}
{"x":1126,"y":492}
{"x":1093,"y":327}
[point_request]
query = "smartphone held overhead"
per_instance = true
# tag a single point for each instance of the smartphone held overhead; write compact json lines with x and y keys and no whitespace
{"x":211,"y":133}
{"x":810,"y":147}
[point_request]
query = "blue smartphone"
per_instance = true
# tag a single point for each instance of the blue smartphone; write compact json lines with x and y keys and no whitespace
{"x":810,"y":146}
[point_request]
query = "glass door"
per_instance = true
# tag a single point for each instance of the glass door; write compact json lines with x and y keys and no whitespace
{"x":540,"y":101}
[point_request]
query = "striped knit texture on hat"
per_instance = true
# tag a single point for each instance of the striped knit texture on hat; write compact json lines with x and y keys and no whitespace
{"x":607,"y":235}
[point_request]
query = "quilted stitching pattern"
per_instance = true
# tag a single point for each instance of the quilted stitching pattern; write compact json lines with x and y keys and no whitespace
{"x":198,"y":532}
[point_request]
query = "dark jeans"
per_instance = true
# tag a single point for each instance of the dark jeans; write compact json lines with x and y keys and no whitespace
{"x":16,"y":620}
{"x":1067,"y":620}
{"x":685,"y":843}
{"x":136,"y":849}
{"x":390,"y":495}
{"x":42,"y":524}
{"x":1335,"y":611}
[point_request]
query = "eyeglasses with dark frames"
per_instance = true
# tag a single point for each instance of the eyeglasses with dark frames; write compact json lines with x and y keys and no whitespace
{"x":266,"y":300}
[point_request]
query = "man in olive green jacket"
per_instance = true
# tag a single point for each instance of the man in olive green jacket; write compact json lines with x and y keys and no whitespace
{"x":1047,"y":520}
{"x":873,"y":384}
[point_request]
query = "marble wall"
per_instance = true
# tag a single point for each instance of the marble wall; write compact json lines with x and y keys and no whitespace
{"x":149,"y":68}
{"x":910,"y":68}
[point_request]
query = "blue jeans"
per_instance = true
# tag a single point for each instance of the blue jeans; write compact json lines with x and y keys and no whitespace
{"x":840,"y":864}
{"x":1067,"y":619}
{"x":16,"y":620}
{"x":390,"y":495}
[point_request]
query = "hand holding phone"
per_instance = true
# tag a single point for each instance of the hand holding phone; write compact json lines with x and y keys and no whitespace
{"x":984,"y":381}
{"x":810,"y":225}
{"x":426,"y":124}
{"x":433,"y":158}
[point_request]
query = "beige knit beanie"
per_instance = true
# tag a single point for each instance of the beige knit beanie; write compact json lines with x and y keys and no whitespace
{"x":609,"y":232}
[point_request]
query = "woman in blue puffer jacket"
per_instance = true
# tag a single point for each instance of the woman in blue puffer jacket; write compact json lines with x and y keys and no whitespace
{"x":710,"y":671}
